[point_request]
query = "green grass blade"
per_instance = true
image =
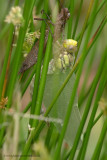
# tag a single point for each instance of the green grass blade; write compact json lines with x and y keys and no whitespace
{"x":43,"y":77}
{"x":98,"y":10}
{"x":90,"y":124}
{"x":27,"y":107}
{"x":39,"y":62}
{"x":88,"y":70}
{"x":97,"y":150}
{"x":83,"y":120}
{"x":57,"y":154}
{"x":7,"y":52}
{"x":97,"y":118}
{"x":70,"y":19}
{"x":6,"y":59}
{"x":77,"y":19}
{"x":82,"y":96}
{"x":28,"y":7}
{"x":28,"y":81}
{"x":84,"y":26}
{"x":49,"y":135}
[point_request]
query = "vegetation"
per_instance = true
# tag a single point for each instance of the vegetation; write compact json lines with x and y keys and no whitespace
{"x":65,"y":116}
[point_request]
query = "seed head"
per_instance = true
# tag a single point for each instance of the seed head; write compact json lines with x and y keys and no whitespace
{"x":15,"y":16}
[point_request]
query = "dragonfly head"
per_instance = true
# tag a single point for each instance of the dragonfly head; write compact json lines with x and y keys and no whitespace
{"x":65,"y":13}
{"x":70,"y":45}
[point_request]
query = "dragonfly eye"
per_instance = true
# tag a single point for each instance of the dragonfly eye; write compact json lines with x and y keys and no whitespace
{"x":66,"y":13}
{"x":70,"y":45}
{"x":71,"y":49}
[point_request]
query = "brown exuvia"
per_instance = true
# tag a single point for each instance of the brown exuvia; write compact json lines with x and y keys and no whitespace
{"x":31,"y":58}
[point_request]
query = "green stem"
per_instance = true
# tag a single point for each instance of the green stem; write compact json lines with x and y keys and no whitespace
{"x":84,"y":26}
{"x":28,"y":7}
{"x":83,"y":120}
{"x":9,"y":45}
{"x":99,"y":8}
{"x":43,"y":77}
{"x":41,"y":124}
{"x":83,"y":97}
{"x":39,"y":62}
{"x":27,"y":107}
{"x":2,"y":78}
{"x":77,"y":19}
{"x":30,"y":138}
{"x":95,"y":121}
{"x":49,"y":135}
{"x":57,"y":154}
{"x":94,"y":110}
{"x":70,"y":19}
{"x":37,"y":130}
{"x":28,"y":81}
{"x":98,"y":117}
{"x":87,"y":74}
{"x":97,"y":150}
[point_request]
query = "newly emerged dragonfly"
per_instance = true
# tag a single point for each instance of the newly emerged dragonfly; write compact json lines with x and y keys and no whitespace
{"x":31,"y":59}
{"x":59,"y":68}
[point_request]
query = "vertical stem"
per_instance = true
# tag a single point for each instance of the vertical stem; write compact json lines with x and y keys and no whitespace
{"x":58,"y":150}
{"x":90,"y":124}
{"x":97,"y":150}
{"x":7,"y":57}
{"x":83,"y":120}
{"x":27,"y":13}
{"x":77,"y":19}
{"x":43,"y":77}
{"x":71,"y":19}
{"x":84,"y":26}
{"x":39,"y":61}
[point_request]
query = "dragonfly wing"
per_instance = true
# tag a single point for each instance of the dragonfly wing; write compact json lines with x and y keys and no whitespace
{"x":59,"y":109}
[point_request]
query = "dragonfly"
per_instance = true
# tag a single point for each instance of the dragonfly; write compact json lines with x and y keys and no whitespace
{"x":59,"y":68}
{"x":61,"y":20}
